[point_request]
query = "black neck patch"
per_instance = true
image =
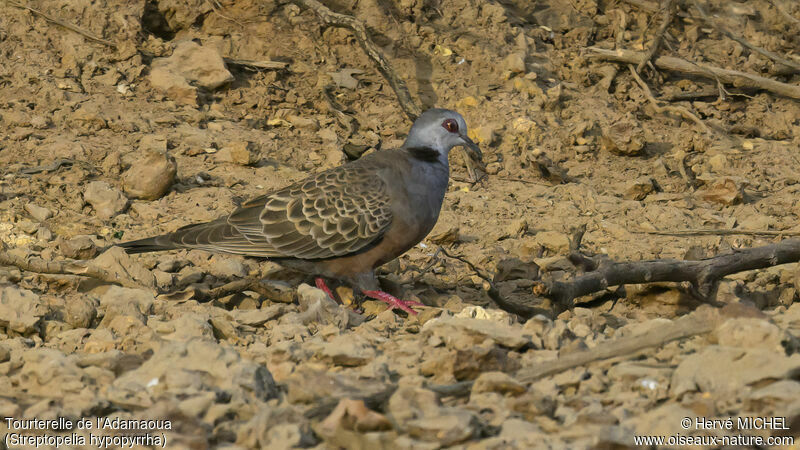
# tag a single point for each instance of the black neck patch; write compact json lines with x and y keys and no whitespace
{"x":426,"y":154}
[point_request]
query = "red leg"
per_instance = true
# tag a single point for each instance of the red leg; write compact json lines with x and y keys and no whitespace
{"x":324,"y":287}
{"x":393,"y":301}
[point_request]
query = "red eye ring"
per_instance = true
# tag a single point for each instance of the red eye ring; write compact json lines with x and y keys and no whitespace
{"x":450,"y":125}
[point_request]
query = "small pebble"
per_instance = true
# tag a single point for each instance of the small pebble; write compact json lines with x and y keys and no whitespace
{"x":38,"y":213}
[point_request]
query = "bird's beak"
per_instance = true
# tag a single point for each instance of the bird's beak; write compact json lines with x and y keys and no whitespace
{"x":472,"y":147}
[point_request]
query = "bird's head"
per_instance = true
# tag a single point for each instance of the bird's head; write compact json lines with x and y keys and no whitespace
{"x":441,"y":130}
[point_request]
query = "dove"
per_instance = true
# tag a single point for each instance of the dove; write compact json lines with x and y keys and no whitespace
{"x":342,"y":223}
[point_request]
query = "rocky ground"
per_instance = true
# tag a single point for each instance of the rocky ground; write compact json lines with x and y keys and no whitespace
{"x":102,"y":143}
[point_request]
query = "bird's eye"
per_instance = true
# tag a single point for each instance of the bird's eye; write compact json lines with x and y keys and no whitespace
{"x":450,"y":125}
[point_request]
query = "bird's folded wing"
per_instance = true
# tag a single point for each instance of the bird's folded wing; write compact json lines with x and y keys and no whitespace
{"x":335,"y":213}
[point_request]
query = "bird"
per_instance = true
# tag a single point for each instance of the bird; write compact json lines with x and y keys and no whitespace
{"x":341,"y":223}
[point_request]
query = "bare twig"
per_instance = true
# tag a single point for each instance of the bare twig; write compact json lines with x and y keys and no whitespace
{"x":699,"y":322}
{"x":66,"y":25}
{"x":685,"y":113}
{"x":70,"y":267}
{"x":610,"y":72}
{"x":55,"y":165}
{"x":736,"y":78}
{"x":577,"y":238}
{"x":720,"y":232}
{"x":702,"y":321}
{"x":341,"y":113}
{"x":329,"y":17}
{"x":730,"y":35}
{"x":247,"y":284}
{"x":668,"y":15}
{"x":472,"y":267}
{"x":704,"y":275}
{"x":494,"y":294}
{"x":576,"y":257}
{"x":257,"y":65}
{"x":432,"y":262}
{"x":691,"y":96}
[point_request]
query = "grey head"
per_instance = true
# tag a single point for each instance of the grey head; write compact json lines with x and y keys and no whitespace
{"x":440,"y":130}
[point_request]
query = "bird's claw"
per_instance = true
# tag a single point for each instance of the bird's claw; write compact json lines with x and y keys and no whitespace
{"x":389,"y":299}
{"x":393,"y":301}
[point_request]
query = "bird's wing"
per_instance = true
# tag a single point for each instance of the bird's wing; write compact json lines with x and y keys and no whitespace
{"x":335,"y":213}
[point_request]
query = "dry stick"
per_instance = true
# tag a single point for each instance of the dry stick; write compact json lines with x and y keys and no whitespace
{"x":619,"y":37}
{"x":736,"y":78}
{"x":237,"y":287}
{"x":374,"y":53}
{"x":66,"y":25}
{"x":719,"y":232}
{"x":730,"y":35}
{"x":686,"y":326}
{"x":39,"y":265}
{"x":704,"y":275}
{"x":666,"y":19}
{"x":669,"y":108}
{"x":432,"y":262}
{"x":694,"y":324}
{"x":494,"y":294}
{"x":257,"y":65}
{"x":691,"y":96}
{"x":360,"y":32}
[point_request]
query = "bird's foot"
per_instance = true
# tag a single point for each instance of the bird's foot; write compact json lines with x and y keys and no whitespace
{"x":393,"y":301}
{"x":324,"y":287}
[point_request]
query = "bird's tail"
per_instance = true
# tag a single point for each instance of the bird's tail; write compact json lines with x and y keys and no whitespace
{"x":151,"y":244}
{"x":198,"y":235}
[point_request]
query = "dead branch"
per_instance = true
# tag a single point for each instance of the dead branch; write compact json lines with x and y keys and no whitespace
{"x":744,"y":42}
{"x":690,"y":96}
{"x":702,"y":321}
{"x":704,"y":275}
{"x":53,"y":166}
{"x":69,"y":267}
{"x":66,"y":25}
{"x":610,"y":72}
{"x":685,"y":113}
{"x":247,"y":284}
{"x":699,"y":322}
{"x":720,"y":232}
{"x":668,"y":15}
{"x":719,"y":92}
{"x":257,"y":65}
{"x":733,"y":77}
{"x":358,"y":29}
